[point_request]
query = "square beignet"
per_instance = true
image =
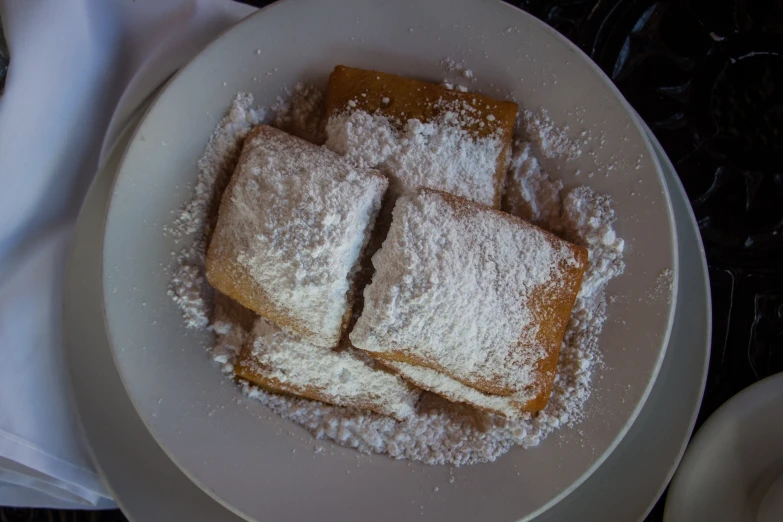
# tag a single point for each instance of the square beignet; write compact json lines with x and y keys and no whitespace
{"x":472,"y":293}
{"x":420,"y":134}
{"x":282,"y":362}
{"x":291,"y":227}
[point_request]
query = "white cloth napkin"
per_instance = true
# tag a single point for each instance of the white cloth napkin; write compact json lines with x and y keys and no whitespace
{"x":78,"y":70}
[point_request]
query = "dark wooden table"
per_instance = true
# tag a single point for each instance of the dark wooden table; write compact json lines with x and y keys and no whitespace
{"x":707,"y":77}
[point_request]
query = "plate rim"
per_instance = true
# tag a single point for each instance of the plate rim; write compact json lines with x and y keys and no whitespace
{"x":705,"y":280}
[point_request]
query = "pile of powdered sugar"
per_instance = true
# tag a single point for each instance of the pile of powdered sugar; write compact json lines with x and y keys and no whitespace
{"x":551,"y":141}
{"x":530,"y":193}
{"x":440,"y":432}
{"x":301,"y":113}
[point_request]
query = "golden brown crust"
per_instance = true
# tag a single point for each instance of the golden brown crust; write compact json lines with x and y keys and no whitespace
{"x":407,"y":99}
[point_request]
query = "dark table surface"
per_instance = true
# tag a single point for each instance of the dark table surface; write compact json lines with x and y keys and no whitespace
{"x":707,"y":77}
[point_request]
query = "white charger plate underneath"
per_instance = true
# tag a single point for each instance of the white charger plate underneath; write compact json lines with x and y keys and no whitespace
{"x":148,"y":486}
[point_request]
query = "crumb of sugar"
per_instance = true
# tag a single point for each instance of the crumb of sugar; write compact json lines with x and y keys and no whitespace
{"x":189,"y":289}
{"x":231,"y":323}
{"x":550,"y":141}
{"x":451,"y":86}
{"x":440,"y":154}
{"x":663,"y":286}
{"x":459,"y":67}
{"x":451,"y":65}
{"x":296,"y":219}
{"x":440,"y":432}
{"x":530,"y":193}
{"x":486,"y":267}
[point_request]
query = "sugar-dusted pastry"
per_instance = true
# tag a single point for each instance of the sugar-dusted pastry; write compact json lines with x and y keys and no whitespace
{"x":283,"y":362}
{"x":420,"y":134}
{"x":292,"y":225}
{"x":471,"y":294}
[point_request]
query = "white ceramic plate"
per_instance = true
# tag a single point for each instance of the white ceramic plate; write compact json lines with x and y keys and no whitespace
{"x":149,"y":487}
{"x":254,"y":461}
{"x":733,"y":469}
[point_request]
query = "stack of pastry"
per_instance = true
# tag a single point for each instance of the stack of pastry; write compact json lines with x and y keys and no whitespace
{"x":465,"y":301}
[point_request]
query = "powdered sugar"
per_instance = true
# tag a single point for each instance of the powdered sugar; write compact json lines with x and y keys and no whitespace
{"x":217,"y":164}
{"x":587,"y":218}
{"x":302,"y":113}
{"x":454,"y":87}
{"x":459,"y":67}
{"x":663,"y":286}
{"x":441,"y":432}
{"x":440,"y":154}
{"x":530,"y":193}
{"x":550,"y":140}
{"x":231,"y":323}
{"x":189,"y":288}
